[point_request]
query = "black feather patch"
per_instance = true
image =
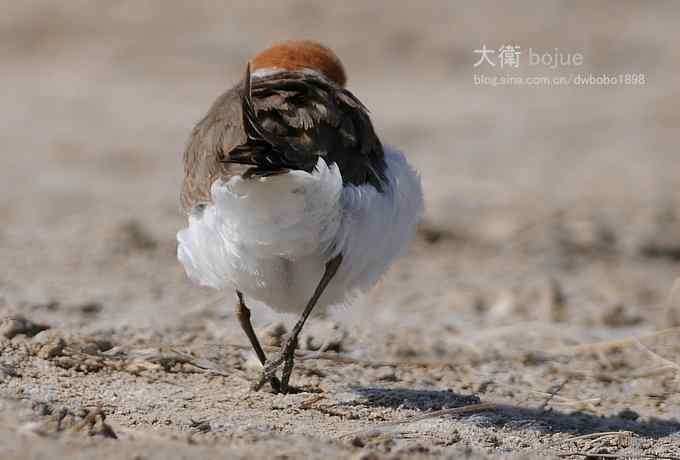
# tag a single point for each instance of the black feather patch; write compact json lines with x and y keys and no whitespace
{"x":291,"y":119}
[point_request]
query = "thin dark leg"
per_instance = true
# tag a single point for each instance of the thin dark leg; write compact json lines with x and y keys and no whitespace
{"x":287,"y":354}
{"x":243,"y":315}
{"x":288,"y":367}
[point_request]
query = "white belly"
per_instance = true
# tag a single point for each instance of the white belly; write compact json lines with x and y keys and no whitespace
{"x":270,"y":238}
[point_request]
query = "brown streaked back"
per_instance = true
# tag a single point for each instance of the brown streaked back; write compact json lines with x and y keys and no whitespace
{"x":288,"y":120}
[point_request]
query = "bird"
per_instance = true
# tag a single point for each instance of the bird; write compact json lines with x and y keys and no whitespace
{"x":290,"y":196}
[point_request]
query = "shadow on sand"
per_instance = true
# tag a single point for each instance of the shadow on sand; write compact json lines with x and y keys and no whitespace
{"x":512,"y":417}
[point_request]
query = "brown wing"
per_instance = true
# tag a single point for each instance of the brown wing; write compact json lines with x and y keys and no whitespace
{"x":294,"y":118}
{"x":284,"y":121}
{"x":217,"y":134}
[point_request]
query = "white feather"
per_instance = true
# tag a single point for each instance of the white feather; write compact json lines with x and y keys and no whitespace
{"x":271,"y":237}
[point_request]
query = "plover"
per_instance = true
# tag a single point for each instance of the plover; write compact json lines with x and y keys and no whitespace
{"x":292,"y":200}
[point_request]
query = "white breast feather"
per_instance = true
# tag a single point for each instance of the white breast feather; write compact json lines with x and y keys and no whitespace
{"x":271,"y":237}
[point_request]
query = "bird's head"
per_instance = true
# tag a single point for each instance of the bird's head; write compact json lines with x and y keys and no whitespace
{"x":301,"y":54}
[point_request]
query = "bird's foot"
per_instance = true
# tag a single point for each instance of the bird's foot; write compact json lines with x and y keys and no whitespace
{"x":285,"y":356}
{"x":275,"y":384}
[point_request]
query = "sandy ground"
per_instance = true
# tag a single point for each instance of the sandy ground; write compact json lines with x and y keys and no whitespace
{"x":533,"y":297}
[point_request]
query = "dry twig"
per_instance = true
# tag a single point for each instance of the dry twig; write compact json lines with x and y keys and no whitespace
{"x":438,"y":413}
{"x":612,"y":344}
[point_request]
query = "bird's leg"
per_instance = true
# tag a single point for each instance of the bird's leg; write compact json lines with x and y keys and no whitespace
{"x":288,"y":367}
{"x":243,"y":315}
{"x":287,"y":353}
